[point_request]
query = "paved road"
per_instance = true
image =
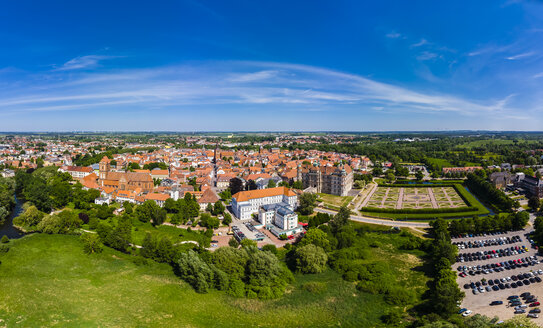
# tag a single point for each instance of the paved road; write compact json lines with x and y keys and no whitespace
{"x":407,"y":224}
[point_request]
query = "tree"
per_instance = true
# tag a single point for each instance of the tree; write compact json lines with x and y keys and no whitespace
{"x":4,"y":214}
{"x":227,"y":219}
{"x":377,"y":171}
{"x":272,"y":184}
{"x":341,"y":219}
{"x":251,"y":185}
{"x":402,"y":171}
{"x":389,"y":176}
{"x":218,"y":208}
{"x":5,"y":239}
{"x":419,"y":175}
{"x":235,"y":186}
{"x":91,"y":243}
{"x":310,"y":259}
{"x":150,"y":211}
{"x":316,"y":237}
{"x":534,"y":203}
{"x":298,"y":185}
{"x":232,"y":242}
{"x":307,"y":203}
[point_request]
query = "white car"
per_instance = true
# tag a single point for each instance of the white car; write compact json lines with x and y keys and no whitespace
{"x":466,"y":313}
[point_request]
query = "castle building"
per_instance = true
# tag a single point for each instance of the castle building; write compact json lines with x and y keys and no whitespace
{"x":335,"y":180}
{"x":123,"y":180}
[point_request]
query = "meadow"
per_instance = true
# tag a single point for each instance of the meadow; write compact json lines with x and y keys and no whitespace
{"x":47,"y":280}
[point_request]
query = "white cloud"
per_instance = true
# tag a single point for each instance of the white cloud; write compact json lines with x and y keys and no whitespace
{"x":426,"y":55}
{"x":420,"y":43}
{"x":293,"y":86}
{"x":256,"y":76}
{"x":522,"y":55}
{"x":393,"y":35}
{"x":82,"y":62}
{"x":538,"y":75}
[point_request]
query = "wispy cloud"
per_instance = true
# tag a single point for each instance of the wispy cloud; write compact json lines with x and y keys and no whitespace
{"x":427,"y":55}
{"x":82,"y":62}
{"x":521,"y":56}
{"x":420,"y":43}
{"x":298,"y":87}
{"x":256,"y":76}
{"x":393,"y":35}
{"x":538,"y":75}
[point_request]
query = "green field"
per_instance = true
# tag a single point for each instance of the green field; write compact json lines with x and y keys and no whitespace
{"x":47,"y":280}
{"x":334,"y":200}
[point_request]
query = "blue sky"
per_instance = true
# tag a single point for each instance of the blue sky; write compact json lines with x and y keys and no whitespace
{"x":191,"y":65}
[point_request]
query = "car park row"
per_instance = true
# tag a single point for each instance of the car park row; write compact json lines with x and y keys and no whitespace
{"x":487,"y":242}
{"x":485,"y":255}
{"x":514,"y":281}
{"x":497,"y":267}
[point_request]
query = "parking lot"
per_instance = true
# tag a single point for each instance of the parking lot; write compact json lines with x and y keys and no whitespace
{"x":504,"y":270}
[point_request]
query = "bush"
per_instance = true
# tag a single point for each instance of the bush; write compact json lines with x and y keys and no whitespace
{"x":91,"y":243}
{"x":4,"y":248}
{"x":314,"y":287}
{"x":236,"y":288}
{"x":5,"y":239}
{"x":310,"y":259}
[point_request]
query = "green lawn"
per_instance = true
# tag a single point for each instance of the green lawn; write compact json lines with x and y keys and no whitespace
{"x":47,"y":280}
{"x":335,"y":200}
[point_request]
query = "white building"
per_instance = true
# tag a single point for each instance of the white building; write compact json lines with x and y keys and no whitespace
{"x":246,"y":203}
{"x":275,"y":208}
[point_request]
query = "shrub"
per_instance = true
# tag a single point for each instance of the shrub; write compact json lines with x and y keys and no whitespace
{"x":314,"y":287}
{"x":5,"y":239}
{"x":310,"y":259}
{"x":236,"y":288}
{"x":91,"y":243}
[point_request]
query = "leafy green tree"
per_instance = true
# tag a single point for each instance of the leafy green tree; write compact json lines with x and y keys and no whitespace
{"x":307,"y":203}
{"x":310,"y":259}
{"x":419,"y":175}
{"x":534,"y":203}
{"x":316,"y":237}
{"x":4,"y":214}
{"x":272,"y":184}
{"x":30,"y":218}
{"x":5,"y":239}
{"x":91,"y":243}
{"x":218,"y":208}
{"x":227,"y":219}
{"x":149,"y":211}
{"x":341,"y":219}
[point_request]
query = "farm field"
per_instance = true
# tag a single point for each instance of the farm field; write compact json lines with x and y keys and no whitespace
{"x":47,"y":280}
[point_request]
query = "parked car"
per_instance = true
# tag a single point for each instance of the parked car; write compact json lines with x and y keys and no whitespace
{"x":496,"y":303}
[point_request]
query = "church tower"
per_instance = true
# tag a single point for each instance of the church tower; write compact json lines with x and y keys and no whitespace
{"x":104,"y":168}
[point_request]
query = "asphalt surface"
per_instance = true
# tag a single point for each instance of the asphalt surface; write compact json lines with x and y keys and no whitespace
{"x":363,"y":219}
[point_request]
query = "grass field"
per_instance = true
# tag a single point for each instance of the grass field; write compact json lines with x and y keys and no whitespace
{"x":335,"y":200}
{"x":47,"y":280}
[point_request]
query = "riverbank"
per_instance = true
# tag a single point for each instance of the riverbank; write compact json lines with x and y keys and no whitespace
{"x":8,"y":229}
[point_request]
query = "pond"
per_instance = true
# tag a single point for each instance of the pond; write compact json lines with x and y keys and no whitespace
{"x":8,"y":229}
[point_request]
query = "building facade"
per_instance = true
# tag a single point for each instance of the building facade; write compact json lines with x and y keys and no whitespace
{"x":334,"y":180}
{"x":246,"y":203}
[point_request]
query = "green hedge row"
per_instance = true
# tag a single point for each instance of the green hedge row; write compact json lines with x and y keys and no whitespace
{"x":420,"y":211}
{"x":417,"y":185}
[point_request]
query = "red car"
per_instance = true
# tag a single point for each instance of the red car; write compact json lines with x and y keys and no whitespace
{"x":535,"y":304}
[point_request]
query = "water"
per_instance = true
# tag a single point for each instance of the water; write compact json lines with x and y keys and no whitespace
{"x":8,"y":229}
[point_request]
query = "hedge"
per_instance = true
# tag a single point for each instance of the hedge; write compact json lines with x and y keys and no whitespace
{"x":420,"y":211}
